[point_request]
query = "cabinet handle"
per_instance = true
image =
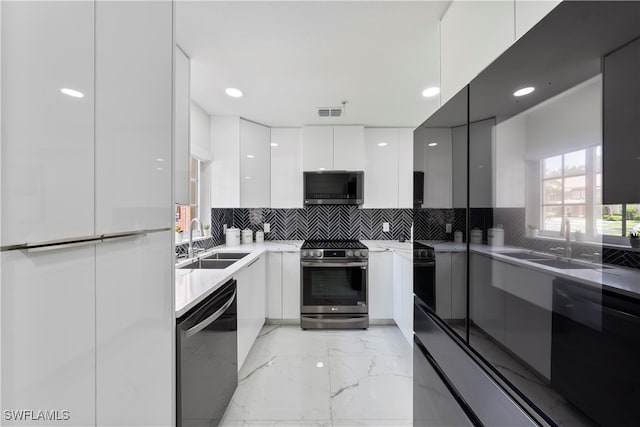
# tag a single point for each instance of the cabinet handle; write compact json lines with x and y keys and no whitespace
{"x":209,"y":320}
{"x":52,"y":246}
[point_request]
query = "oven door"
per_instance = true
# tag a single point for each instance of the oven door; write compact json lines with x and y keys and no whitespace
{"x":424,"y":281}
{"x":334,"y":287}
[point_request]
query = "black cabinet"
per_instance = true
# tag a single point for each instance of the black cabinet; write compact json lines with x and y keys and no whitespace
{"x":621,"y":125}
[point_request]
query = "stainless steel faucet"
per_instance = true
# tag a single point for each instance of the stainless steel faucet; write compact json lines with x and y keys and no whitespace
{"x":567,"y":238}
{"x":191,"y":234}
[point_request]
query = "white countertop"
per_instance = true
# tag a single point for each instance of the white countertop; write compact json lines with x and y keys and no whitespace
{"x":194,"y":285}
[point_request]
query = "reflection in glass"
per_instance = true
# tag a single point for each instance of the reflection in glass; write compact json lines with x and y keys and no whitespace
{"x":553,"y":167}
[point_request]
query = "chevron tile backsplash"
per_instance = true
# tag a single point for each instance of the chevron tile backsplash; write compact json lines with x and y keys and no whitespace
{"x":334,"y":222}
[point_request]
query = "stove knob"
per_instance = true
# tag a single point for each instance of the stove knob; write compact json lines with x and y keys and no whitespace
{"x":358,"y":253}
{"x":318,"y":254}
{"x":305,"y":253}
{"x":350,"y":254}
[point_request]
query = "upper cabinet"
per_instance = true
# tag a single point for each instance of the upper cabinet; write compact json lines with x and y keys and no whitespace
{"x":241,"y":163}
{"x":286,"y":168}
{"x":529,"y":12}
{"x":181,"y":145}
{"x":47,"y":135}
{"x":333,"y":148}
{"x":133,"y":116}
{"x":621,"y":115}
{"x":433,"y":156}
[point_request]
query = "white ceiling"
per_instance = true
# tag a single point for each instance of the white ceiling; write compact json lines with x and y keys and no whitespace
{"x":291,"y":57}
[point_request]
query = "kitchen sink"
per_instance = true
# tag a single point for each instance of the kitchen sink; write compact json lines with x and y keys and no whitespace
{"x":217,"y":264}
{"x":567,"y":265}
{"x":526,"y":256}
{"x":227,"y":255}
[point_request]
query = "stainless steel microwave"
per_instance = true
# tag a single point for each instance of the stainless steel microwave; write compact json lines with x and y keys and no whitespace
{"x":333,"y":188}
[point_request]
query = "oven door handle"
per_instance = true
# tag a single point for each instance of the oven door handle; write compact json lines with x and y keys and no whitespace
{"x":333,"y":264}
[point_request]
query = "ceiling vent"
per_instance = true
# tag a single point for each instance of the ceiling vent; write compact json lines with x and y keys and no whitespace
{"x":331,"y":112}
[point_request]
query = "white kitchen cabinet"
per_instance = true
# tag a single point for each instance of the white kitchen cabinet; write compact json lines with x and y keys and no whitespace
{"x":133,"y":110}
{"x":459,"y":154}
{"x":529,"y":12}
{"x":291,"y":285}
{"x":403,"y":295}
{"x":443,"y":285}
{"x":255,"y":165}
{"x":47,"y":136}
{"x":251,"y":301}
{"x":317,"y":148}
{"x":481,"y":135}
{"x":274,"y":285}
{"x":472,"y":35}
{"x":458,"y":285}
{"x":134,"y":316}
{"x":181,"y":128}
{"x":380,"y":285}
{"x":332,"y":148}
{"x":348,"y":148}
{"x":381,"y":168}
{"x":245,"y":308}
{"x":48,"y":332}
{"x":508,"y":156}
{"x":241,"y":166}
{"x":286,"y":168}
{"x":436,"y":161}
{"x":487,"y":284}
{"x":405,"y":168}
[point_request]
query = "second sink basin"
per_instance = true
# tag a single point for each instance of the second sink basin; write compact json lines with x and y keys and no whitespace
{"x":217,"y":264}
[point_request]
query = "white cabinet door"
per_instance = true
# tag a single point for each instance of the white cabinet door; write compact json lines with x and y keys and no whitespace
{"x":181,"y":146}
{"x":487,"y":295}
{"x":244,"y":297}
{"x":472,"y":35}
{"x":48,"y":332}
{"x":481,"y":136}
{"x":291,"y":285}
{"x":225,"y":164}
{"x":438,"y":168}
{"x":397,"y":290}
{"x":458,"y":285}
{"x":135,"y":321}
{"x":255,"y":165}
{"x":459,"y":154}
{"x":286,"y":168}
{"x":381,"y":168}
{"x":529,"y":12}
{"x":403,"y":295}
{"x":443,"y":284}
{"x":133,"y":116}
{"x":380,"y":280}
{"x":348,"y":148}
{"x":405,"y":168}
{"x":47,"y":136}
{"x":259,"y":285}
{"x":274,"y":285}
{"x":317,"y":148}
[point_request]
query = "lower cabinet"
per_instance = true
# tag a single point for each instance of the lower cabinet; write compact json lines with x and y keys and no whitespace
{"x":251,"y":292}
{"x":291,"y":286}
{"x":486,"y":277}
{"x":380,"y":284}
{"x":403,"y":295}
{"x":443,"y":285}
{"x":274,"y":285}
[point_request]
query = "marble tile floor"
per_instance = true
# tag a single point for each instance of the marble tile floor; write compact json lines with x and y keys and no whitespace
{"x":325,"y":378}
{"x":538,"y":391}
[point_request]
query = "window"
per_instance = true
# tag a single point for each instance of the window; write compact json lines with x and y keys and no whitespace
{"x":184,"y":213}
{"x":572,"y":189}
{"x":565,"y":191}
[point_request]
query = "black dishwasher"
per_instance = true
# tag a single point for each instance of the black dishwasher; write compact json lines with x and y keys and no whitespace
{"x":207,"y":359}
{"x":595,"y":352}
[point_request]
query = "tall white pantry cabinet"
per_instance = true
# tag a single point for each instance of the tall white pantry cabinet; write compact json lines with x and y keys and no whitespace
{"x":87,"y":313}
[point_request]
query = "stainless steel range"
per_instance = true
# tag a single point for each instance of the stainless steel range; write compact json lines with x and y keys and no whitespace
{"x":334,"y":292}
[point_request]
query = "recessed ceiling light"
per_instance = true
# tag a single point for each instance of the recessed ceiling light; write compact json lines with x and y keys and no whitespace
{"x":251,"y":156}
{"x":319,"y":364}
{"x":273,"y":144}
{"x":433,"y":144}
{"x":247,"y":177}
{"x":321,"y":169}
{"x":432,"y":91}
{"x":382,"y":144}
{"x":159,"y":160}
{"x":233,"y":92}
{"x":72,"y":93}
{"x":524,"y":91}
